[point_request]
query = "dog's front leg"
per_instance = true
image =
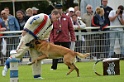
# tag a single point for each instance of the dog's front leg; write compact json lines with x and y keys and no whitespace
{"x":43,"y":56}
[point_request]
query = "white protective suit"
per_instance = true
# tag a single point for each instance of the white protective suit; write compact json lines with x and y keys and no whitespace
{"x":41,"y":26}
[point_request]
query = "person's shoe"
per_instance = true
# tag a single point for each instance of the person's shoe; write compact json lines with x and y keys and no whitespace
{"x":4,"y":71}
{"x":52,"y":69}
{"x":39,"y":78}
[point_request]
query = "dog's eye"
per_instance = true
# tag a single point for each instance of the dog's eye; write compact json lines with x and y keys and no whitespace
{"x":37,"y":42}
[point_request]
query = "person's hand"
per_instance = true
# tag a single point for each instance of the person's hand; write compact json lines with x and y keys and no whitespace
{"x":120,"y":15}
{"x":78,"y":28}
{"x":2,"y":29}
{"x":23,"y":33}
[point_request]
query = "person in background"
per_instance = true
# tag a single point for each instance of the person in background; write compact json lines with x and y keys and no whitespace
{"x":2,"y":25}
{"x":78,"y":27}
{"x":107,"y":10}
{"x":7,"y":11}
{"x":35,"y":10}
{"x":76,"y":8}
{"x":11,"y":24}
{"x":10,"y":21}
{"x":70,"y":12}
{"x":116,"y":18}
{"x":22,"y":19}
{"x":62,"y":34}
{"x":2,"y":28}
{"x":78,"y":13}
{"x":98,"y":21}
{"x":87,"y":17}
{"x":106,"y":37}
{"x":29,"y":12}
{"x":84,"y":3}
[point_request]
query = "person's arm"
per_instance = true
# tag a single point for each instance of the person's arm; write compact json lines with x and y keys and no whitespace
{"x":3,"y":26}
{"x":81,"y":24}
{"x":122,"y":19}
{"x":71,"y":30}
{"x":2,"y":29}
{"x":113,"y":16}
{"x":16,"y":24}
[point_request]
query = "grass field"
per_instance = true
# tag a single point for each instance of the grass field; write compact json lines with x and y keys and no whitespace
{"x":59,"y":75}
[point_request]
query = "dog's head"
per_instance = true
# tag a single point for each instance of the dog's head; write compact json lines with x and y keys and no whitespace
{"x":33,"y":43}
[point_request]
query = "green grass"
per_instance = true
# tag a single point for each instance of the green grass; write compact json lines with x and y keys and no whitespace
{"x":59,"y":75}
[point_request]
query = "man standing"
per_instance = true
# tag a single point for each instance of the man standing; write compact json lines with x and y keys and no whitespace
{"x":62,"y":33}
{"x":106,"y":41}
{"x":35,"y":10}
{"x":38,"y":26}
{"x":107,"y":10}
{"x":116,"y":19}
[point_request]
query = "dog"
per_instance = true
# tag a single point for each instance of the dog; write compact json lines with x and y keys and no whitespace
{"x":52,"y":51}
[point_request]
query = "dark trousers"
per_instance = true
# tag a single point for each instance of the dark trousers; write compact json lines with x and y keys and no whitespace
{"x":55,"y":61}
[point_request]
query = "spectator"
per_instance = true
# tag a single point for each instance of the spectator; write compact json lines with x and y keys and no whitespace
{"x":78,"y":13}
{"x":10,"y":21}
{"x":98,"y":21}
{"x":116,"y":18}
{"x":35,"y":10}
{"x":2,"y":25}
{"x":77,"y":23}
{"x":62,"y":33}
{"x":7,"y":11}
{"x":84,"y":3}
{"x":22,"y":19}
{"x":87,"y":17}
{"x":107,"y":10}
{"x":2,"y":28}
{"x":70,"y":12}
{"x":31,"y":31}
{"x":76,"y":8}
{"x":29,"y":12}
{"x":11,"y":24}
{"x":78,"y":26}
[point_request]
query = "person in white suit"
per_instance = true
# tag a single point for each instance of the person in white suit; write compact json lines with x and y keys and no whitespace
{"x":37,"y":27}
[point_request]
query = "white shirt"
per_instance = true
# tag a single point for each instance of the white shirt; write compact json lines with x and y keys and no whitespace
{"x":116,"y":21}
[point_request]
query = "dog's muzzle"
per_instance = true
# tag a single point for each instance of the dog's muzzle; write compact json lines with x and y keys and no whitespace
{"x":29,"y":45}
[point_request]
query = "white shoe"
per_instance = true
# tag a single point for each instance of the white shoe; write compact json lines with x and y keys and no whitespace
{"x":4,"y":71}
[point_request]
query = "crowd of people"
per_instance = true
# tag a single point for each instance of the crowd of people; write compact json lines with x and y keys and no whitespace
{"x":64,"y":28}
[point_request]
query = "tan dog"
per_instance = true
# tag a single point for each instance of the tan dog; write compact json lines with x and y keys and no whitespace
{"x":52,"y":51}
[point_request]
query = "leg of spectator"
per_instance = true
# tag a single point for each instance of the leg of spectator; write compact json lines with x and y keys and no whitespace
{"x":112,"y":43}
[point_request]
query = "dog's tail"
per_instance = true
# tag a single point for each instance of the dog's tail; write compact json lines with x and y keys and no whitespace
{"x":82,"y":55}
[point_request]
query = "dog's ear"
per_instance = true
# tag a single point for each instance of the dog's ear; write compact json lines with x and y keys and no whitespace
{"x":37,"y":42}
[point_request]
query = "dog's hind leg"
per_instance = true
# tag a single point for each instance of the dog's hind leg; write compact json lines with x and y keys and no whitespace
{"x":71,"y":67}
{"x":77,"y":70}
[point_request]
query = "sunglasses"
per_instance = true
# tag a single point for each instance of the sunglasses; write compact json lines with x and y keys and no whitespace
{"x":89,"y":8}
{"x":3,"y":13}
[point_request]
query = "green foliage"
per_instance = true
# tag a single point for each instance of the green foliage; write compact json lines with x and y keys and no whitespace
{"x":59,"y":75}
